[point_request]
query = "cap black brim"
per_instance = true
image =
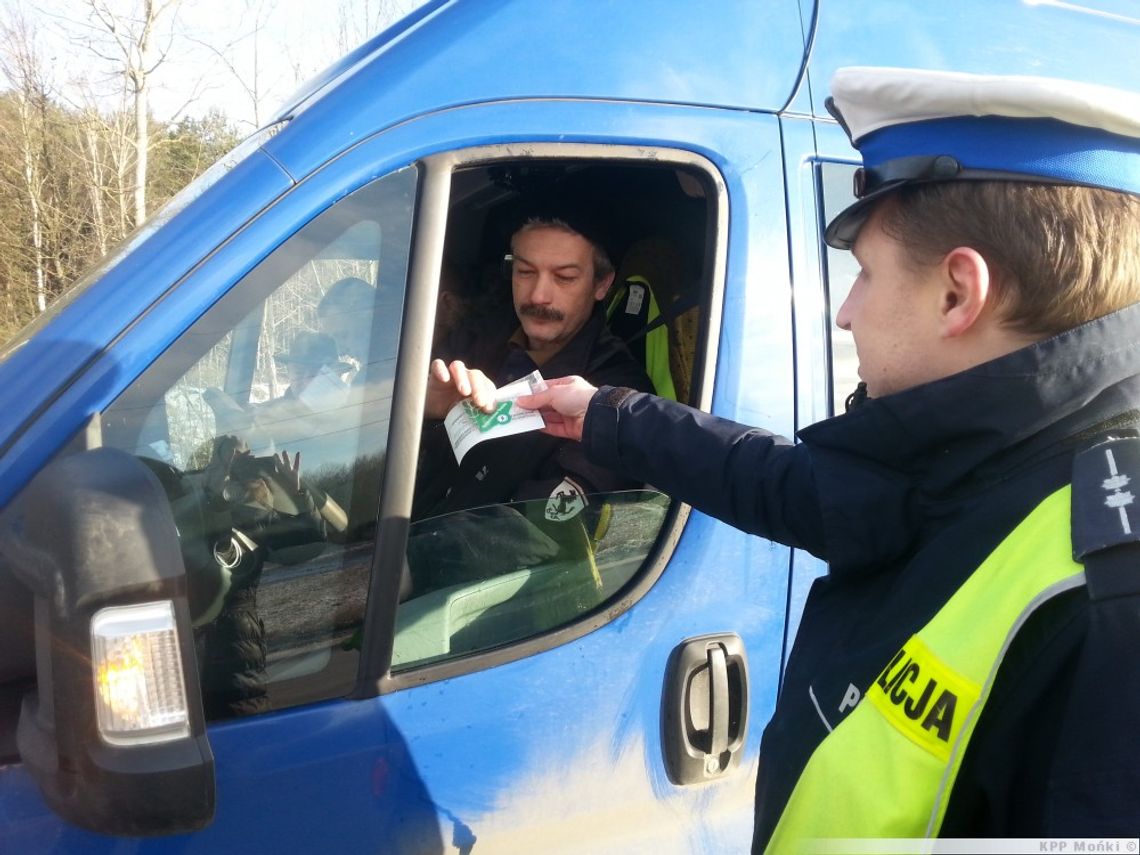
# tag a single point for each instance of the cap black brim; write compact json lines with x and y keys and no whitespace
{"x":842,"y":231}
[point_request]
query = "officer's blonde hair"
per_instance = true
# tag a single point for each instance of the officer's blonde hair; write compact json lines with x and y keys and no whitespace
{"x":1059,"y":255}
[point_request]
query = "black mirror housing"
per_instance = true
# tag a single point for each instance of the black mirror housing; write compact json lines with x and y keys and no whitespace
{"x":94,"y":530}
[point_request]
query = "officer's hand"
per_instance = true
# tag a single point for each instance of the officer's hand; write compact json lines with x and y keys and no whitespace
{"x":563,"y":405}
{"x":449,"y":384}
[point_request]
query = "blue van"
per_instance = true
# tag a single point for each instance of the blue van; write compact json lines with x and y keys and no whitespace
{"x":182,"y":673}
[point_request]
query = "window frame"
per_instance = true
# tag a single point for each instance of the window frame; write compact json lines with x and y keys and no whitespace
{"x":831,"y":300}
{"x":428,"y":235}
{"x":244,"y":300}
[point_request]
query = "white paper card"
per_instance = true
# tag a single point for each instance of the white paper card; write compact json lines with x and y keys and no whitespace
{"x":468,"y":426}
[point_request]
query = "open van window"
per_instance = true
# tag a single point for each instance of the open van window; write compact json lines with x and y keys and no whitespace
{"x":512,"y":542}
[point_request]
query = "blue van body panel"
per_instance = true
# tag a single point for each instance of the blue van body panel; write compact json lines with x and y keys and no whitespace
{"x":489,"y":52}
{"x":1090,"y":43}
{"x":562,"y":750}
{"x":566,"y":742}
{"x":558,"y":752}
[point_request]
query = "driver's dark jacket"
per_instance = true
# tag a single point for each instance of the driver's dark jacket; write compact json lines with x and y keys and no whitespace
{"x":529,"y":465}
{"x":904,"y":496}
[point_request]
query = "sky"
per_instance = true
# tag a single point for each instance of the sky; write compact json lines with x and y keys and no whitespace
{"x":242,"y":57}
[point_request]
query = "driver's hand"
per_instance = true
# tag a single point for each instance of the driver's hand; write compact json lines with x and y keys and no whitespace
{"x":288,"y":471}
{"x":226,"y":450}
{"x":449,"y":384}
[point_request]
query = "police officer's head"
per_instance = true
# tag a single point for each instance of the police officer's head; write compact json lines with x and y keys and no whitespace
{"x":992,"y":212}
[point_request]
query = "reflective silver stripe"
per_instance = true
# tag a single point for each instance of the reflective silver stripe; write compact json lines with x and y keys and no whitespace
{"x":950,"y":772}
{"x":811,"y":694}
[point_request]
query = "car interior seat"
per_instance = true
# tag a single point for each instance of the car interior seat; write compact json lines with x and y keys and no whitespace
{"x":653,"y":307}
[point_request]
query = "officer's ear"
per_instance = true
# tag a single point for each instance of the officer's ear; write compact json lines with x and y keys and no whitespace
{"x":964,"y":281}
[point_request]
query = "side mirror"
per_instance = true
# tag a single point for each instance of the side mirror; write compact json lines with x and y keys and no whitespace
{"x":114,"y":734}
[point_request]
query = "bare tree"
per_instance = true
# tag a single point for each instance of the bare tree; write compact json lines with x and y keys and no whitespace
{"x":69,"y":164}
{"x":360,"y":20}
{"x":248,"y":43}
{"x":134,"y":40}
{"x":21,"y":64}
{"x":93,"y":158}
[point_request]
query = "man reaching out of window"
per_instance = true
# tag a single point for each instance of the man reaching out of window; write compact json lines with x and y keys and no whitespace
{"x":559,"y":276}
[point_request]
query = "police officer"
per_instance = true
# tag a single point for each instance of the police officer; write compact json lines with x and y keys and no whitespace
{"x":956,"y":673}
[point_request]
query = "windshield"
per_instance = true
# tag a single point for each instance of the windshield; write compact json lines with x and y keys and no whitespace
{"x":167,"y":212}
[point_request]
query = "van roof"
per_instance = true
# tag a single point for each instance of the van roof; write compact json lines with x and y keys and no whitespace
{"x":735,"y":55}
{"x":453,"y":53}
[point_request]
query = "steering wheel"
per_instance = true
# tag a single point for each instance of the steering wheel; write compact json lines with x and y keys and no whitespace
{"x":206,"y":539}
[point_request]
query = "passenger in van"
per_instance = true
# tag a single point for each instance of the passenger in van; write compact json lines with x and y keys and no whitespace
{"x":345,"y":314}
{"x":316,"y":384}
{"x":316,"y":373}
{"x":560,"y":275}
{"x":985,"y":681}
{"x":453,"y":302}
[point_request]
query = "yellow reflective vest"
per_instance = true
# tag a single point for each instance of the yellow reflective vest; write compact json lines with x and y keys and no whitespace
{"x":631,"y":296}
{"x":887,"y":770}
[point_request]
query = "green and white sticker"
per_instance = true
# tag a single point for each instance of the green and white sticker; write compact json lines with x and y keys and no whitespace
{"x":486,"y":421}
{"x":467,"y":425}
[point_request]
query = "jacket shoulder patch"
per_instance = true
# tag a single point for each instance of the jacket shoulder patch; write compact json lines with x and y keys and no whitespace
{"x":1106,"y":478}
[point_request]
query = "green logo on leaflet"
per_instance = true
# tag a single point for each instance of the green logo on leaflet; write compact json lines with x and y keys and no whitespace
{"x":501,"y":415}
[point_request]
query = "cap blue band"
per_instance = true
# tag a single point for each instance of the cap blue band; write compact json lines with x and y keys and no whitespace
{"x":1047,"y":148}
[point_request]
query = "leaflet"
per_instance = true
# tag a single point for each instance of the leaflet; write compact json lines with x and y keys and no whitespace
{"x":467,"y":425}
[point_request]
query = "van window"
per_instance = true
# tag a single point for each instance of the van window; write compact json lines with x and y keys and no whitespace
{"x":519,"y":539}
{"x":267,"y":422}
{"x":840,"y":270}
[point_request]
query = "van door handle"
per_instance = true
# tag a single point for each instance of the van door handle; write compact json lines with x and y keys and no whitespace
{"x":718,"y":700}
{"x":705,"y":707}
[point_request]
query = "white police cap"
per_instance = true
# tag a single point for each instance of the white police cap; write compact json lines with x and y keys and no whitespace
{"x":915,"y":126}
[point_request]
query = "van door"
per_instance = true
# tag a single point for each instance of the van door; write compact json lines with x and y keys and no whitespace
{"x":821,"y":165}
{"x":541,"y":707}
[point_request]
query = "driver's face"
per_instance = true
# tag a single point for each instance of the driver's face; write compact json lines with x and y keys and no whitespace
{"x":553,"y":283}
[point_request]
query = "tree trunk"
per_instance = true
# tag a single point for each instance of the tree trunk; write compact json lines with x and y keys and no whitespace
{"x":96,"y":186}
{"x":142,"y":147}
{"x":32,"y":188}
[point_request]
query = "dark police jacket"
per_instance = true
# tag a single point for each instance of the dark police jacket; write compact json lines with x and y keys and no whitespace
{"x":530,"y":465}
{"x":905,"y":496}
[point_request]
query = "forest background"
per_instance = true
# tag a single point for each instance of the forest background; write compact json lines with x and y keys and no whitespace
{"x":109,"y":107}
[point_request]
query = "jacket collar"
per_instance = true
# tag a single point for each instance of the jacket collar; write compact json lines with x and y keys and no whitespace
{"x":574,"y":355}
